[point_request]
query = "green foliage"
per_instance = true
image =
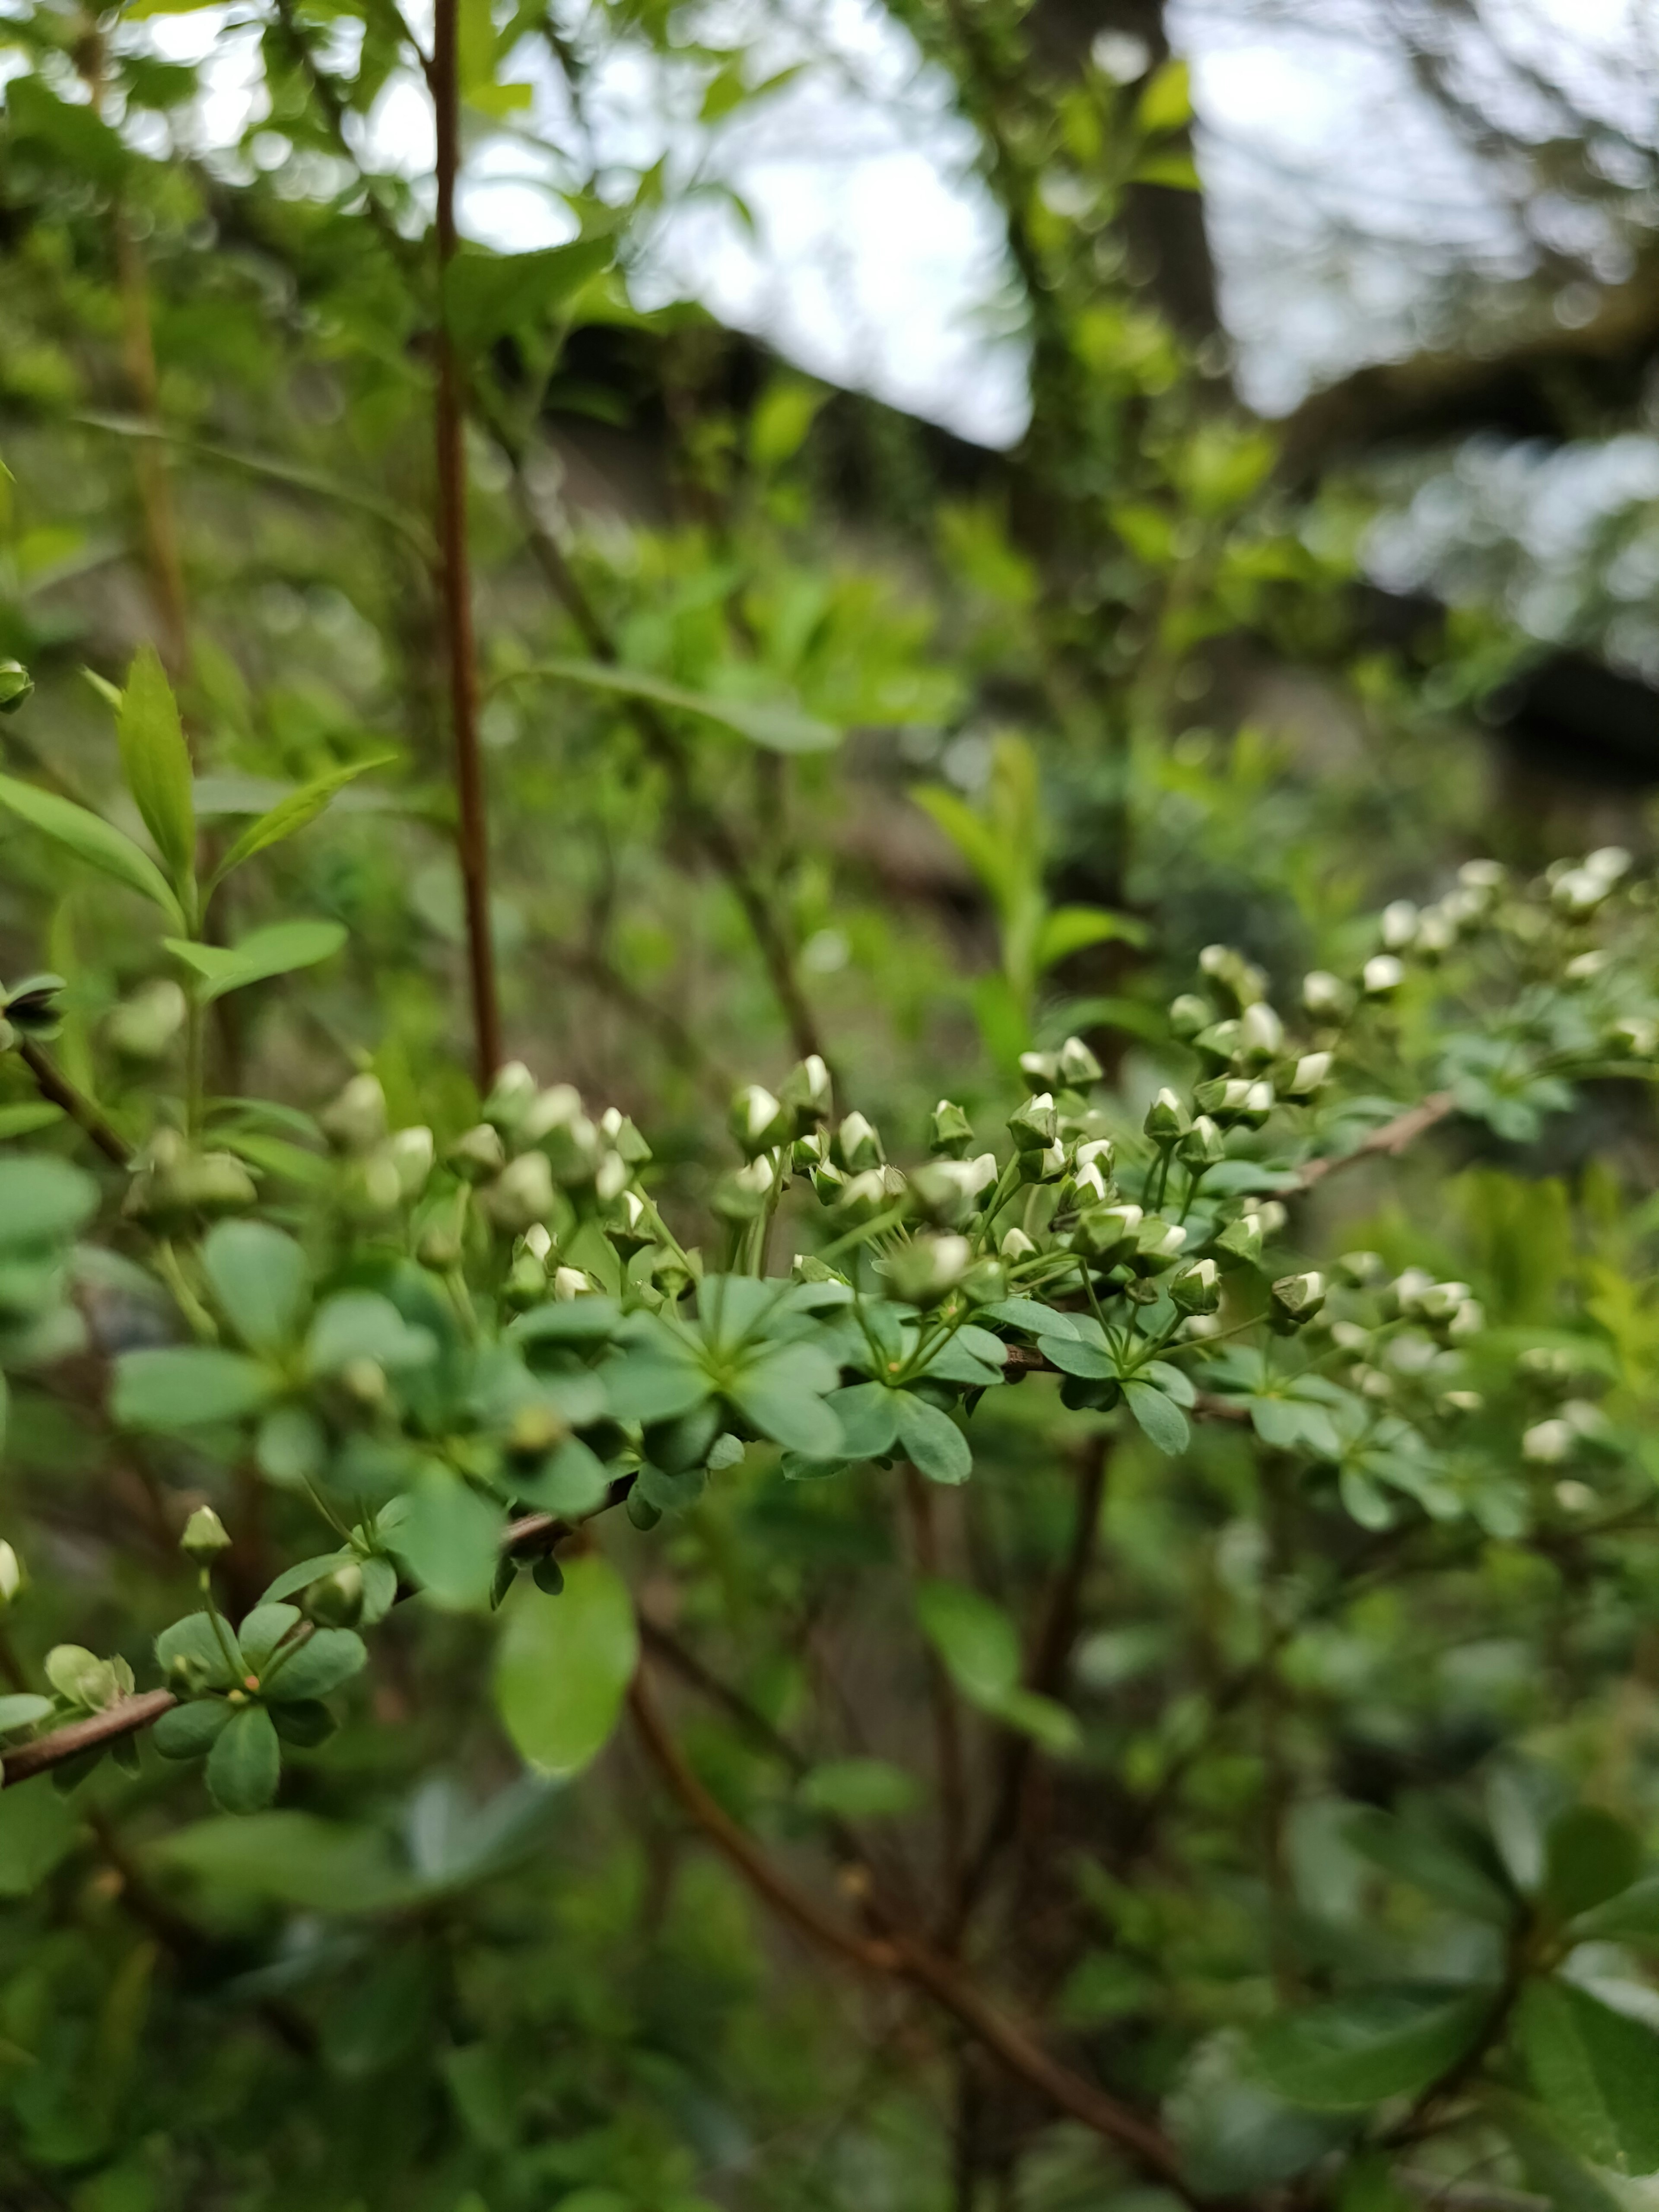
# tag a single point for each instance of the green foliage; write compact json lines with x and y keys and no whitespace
{"x":1190,"y":1662}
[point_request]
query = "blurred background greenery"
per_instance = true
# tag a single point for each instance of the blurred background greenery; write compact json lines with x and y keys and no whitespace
{"x":1109,"y":477}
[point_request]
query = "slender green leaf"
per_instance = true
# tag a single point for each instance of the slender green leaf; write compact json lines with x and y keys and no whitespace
{"x":1590,"y":1856}
{"x":295,"y":812}
{"x":1361,"y":2050}
{"x":1596,"y":2072}
{"x":973,"y":1637}
{"x":1071,"y":929}
{"x":156,"y":763}
{"x":94,"y":840}
{"x":291,"y":1858}
{"x":276,"y":951}
{"x":43,"y":1201}
{"x":775,"y":728}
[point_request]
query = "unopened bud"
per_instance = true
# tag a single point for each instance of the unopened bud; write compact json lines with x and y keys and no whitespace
{"x":11,"y":1575}
{"x":336,"y":1601}
{"x":522,"y":1193}
{"x":1399,"y":925}
{"x":1239,"y":978}
{"x":1045,"y":1165}
{"x":570,"y":1283}
{"x":1158,"y":1245}
{"x":411,"y":1152}
{"x":1381,"y":975}
{"x":1188,"y":1015}
{"x":1296,"y":1299}
{"x":1077,"y":1066}
{"x":1196,"y":1289}
{"x":477,"y":1154}
{"x":1167,"y":1118}
{"x":1034,"y":1125}
{"x":947,"y":1189}
{"x":951,"y":1132}
{"x":859,"y":1143}
{"x":204,"y":1536}
{"x":1547,"y":1443}
{"x":1107,"y":1233}
{"x":1326,"y":997}
{"x":929,"y":1269}
{"x":1261,"y":1034}
{"x":807,"y":1092}
{"x":364,"y":1379}
{"x":510,"y":1098}
{"x":356,"y":1122}
{"x":1242,"y":1239}
{"x":1015,"y":1245}
{"x":1309,"y":1074}
{"x":758,"y":1121}
{"x":1203,"y":1146}
{"x":15,"y":685}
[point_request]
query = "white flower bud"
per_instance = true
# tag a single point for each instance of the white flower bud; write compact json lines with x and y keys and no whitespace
{"x":1261,"y":1033}
{"x":1310,"y":1073}
{"x":204,"y":1536}
{"x":570,"y":1283}
{"x":1077,"y":1067}
{"x":1461,"y":1401}
{"x":1381,"y":975}
{"x":11,"y":1575}
{"x":1436,"y":932}
{"x":1584,"y":967}
{"x":1610,"y":862}
{"x":1579,"y":892}
{"x":611,"y":1177}
{"x":1574,"y":1496}
{"x":1325,"y":996}
{"x":411,"y":1152}
{"x":356,"y":1122}
{"x":538,"y":1241}
{"x":1547,"y":1443}
{"x":1485,"y":877}
{"x":556,"y":1108}
{"x":523,"y":1193}
{"x":758,"y":1121}
{"x":1399,"y":925}
{"x":1015,"y":1244}
{"x":509,"y":1097}
{"x":860,"y":1143}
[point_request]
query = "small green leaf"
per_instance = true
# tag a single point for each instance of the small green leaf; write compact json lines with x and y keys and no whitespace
{"x":778,"y":729}
{"x":931,"y":1440}
{"x":868,"y":1414}
{"x":23,"y":1710}
{"x":1596,"y":2072}
{"x":1294,"y":1425}
{"x":189,"y":1731}
{"x":1166,"y":102}
{"x":646,"y":1387}
{"x":155,"y":763}
{"x":572,"y":1482}
{"x":43,"y":1201}
{"x":37,"y":1829}
{"x":487,"y":295}
{"x":1455,"y":1866}
{"x":304,"y":1572}
{"x":1590,"y":1856}
{"x":859,"y":1790}
{"x":362,"y":1325}
{"x":1071,"y":929}
{"x":973,"y":1637}
{"x":194,"y":1644}
{"x":245,"y":1764}
{"x":293,"y":813}
{"x":259,"y":1277}
{"x":563,"y":1667}
{"x":277,"y":951}
{"x":1043,"y":1719}
{"x":293,"y":1858}
{"x":93,"y":840}
{"x":1160,"y":1420}
{"x":1359,"y":2051}
{"x":1633,"y":1916}
{"x":449,"y":1541}
{"x":328,"y":1657}
{"x":782,"y":1394}
{"x":185,"y":1386}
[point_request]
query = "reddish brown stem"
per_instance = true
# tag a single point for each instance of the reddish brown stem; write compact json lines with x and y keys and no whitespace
{"x":455,"y":579}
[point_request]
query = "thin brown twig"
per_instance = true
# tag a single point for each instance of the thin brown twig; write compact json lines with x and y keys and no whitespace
{"x":1388,"y":1142}
{"x":58,"y":1091}
{"x":1045,"y":1674}
{"x":455,"y":576}
{"x":894,"y":1954}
